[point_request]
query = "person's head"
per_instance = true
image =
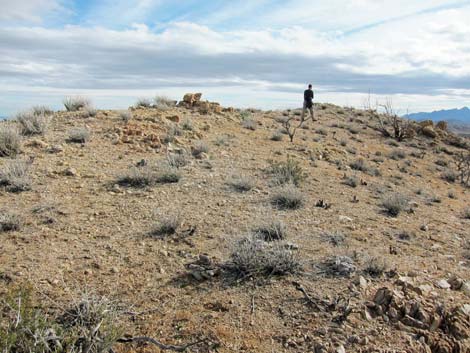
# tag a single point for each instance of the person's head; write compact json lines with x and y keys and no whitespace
{"x":310,"y":86}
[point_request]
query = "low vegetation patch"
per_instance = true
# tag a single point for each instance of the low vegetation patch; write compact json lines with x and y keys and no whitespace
{"x":252,"y":257}
{"x":397,"y":155}
{"x":351,"y":181}
{"x":143,"y":103}
{"x":74,"y":104}
{"x":199,"y":148}
{"x":289,"y":172}
{"x":32,"y":123}
{"x":9,"y":221}
{"x":164,"y":103}
{"x":125,"y":116}
{"x":361,"y":165}
{"x":288,"y":197}
{"x":147,"y":175}
{"x":166,"y":225}
{"x":466,"y":213}
{"x":177,"y":160}
{"x":272,"y":230}
{"x":14,"y":176}
{"x":79,"y":135}
{"x":375,"y":267}
{"x":10,"y":141}
{"x":394,"y":203}
{"x":249,"y":124}
{"x":241,"y":183}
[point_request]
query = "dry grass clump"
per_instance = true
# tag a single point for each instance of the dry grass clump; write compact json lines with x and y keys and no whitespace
{"x":361,"y":165}
{"x":187,"y":125}
{"x":375,"y":267}
{"x":9,"y":221}
{"x":147,"y":175}
{"x":249,"y":123}
{"x":89,"y":324}
{"x":241,"y":183}
{"x":199,"y":148}
{"x":177,"y":160}
{"x":14,"y":176}
{"x":394,"y":204}
{"x":271,"y":230}
{"x":74,"y":104}
{"x":466,"y":213}
{"x":143,"y":103}
{"x":276,"y":136}
{"x":32,"y":123}
{"x":167,"y":225}
{"x":79,"y":135}
{"x":334,"y":238}
{"x":10,"y":140}
{"x":171,"y":133}
{"x":397,"y":155}
{"x":164,"y":103}
{"x":289,"y":172}
{"x":351,"y":181}
{"x":450,"y":176}
{"x":288,"y":197}
{"x":125,"y":116}
{"x":252,"y":257}
{"x":88,"y":112}
{"x":42,"y":110}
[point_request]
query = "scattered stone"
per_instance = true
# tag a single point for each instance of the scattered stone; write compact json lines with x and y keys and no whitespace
{"x":342,"y":266}
{"x":55,"y":149}
{"x":70,"y":172}
{"x":443,"y":284}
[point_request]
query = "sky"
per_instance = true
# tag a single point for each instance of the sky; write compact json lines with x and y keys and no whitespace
{"x":253,"y":53}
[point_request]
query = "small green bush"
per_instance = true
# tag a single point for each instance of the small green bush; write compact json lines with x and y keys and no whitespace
{"x":289,"y":172}
{"x":394,"y":204}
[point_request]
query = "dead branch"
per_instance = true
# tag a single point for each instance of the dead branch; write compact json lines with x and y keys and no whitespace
{"x":162,"y":346}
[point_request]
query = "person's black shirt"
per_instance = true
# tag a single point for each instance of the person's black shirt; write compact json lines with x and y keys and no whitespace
{"x":308,"y":97}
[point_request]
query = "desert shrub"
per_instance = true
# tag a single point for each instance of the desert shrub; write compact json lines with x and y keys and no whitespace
{"x":199,"y":148}
{"x":241,"y":183}
{"x":143,"y":103}
{"x":339,"y":266}
{"x":9,"y":221}
{"x":452,"y":195}
{"x":167,"y":225}
{"x":162,"y":102}
{"x":252,"y":257}
{"x":289,"y":172}
{"x":276,"y":136}
{"x":321,"y":131}
{"x":42,"y":110}
{"x":397,"y":155}
{"x":187,"y":125}
{"x":392,"y":125}
{"x":24,"y":328}
{"x":126,"y":116}
{"x":222,"y":140}
{"x":88,"y":112}
{"x":449,"y":176}
{"x":73,"y":104}
{"x":249,"y":124}
{"x":177,"y":160}
{"x":394,"y":204}
{"x":89,"y":323}
{"x":168,"y":175}
{"x":172,"y":132}
{"x":360,"y":164}
{"x":353,"y":130}
{"x":138,"y":177}
{"x":466,"y":213}
{"x":442,"y":163}
{"x":352,"y":181}
{"x":10,"y":141}
{"x":288,"y":197}
{"x":351,"y":150}
{"x":334,"y":238}
{"x":79,"y":135}
{"x":271,"y":230}
{"x":32,"y":124}
{"x":375,"y":267}
{"x":246,"y":115}
{"x":343,"y":142}
{"x":149,"y":175}
{"x":14,"y":176}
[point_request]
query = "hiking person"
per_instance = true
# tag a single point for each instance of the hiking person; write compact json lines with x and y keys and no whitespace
{"x":308,"y":102}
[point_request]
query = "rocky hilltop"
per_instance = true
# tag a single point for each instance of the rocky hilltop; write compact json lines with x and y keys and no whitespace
{"x":194,"y":224}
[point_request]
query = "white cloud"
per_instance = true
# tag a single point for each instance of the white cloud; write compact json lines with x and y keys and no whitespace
{"x":29,"y":10}
{"x":418,"y":56}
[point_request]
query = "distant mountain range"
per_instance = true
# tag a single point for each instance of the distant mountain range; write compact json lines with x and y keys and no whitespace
{"x":454,"y":115}
{"x":458,"y":119}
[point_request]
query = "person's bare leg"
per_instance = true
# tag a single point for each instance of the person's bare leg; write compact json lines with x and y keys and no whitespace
{"x":303,"y":111}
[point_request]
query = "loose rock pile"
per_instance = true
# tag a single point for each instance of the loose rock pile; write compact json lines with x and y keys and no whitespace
{"x":193,"y":101}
